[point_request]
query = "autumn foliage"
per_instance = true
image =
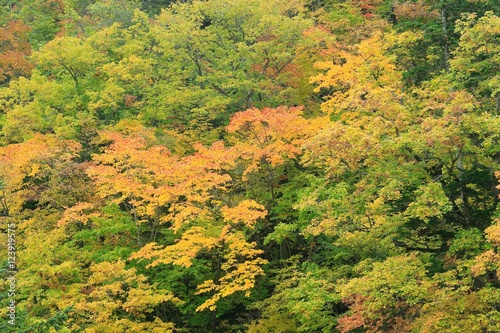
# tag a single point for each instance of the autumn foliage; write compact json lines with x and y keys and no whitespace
{"x":250,"y":166}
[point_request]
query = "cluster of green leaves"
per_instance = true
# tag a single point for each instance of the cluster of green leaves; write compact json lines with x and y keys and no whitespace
{"x":258,"y":166}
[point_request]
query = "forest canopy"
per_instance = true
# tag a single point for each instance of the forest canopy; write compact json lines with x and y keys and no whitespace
{"x":250,"y":166}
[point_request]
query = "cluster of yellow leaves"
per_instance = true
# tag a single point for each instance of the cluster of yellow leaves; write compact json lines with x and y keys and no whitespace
{"x":77,"y":213}
{"x":241,"y":266}
{"x":132,"y":74}
{"x":477,"y":57}
{"x":367,"y":102}
{"x":430,"y":201}
{"x":247,"y":212}
{"x":49,"y":276}
{"x":397,"y":283}
{"x":121,"y":172}
{"x":363,"y":79}
{"x":112,"y":288}
{"x":193,"y":188}
{"x":338,"y":147}
{"x":181,"y":253}
{"x":129,"y":326}
{"x":68,"y":54}
{"x":240,"y":262}
{"x":28,"y":161}
{"x":489,"y":261}
{"x":268,"y":136}
{"x":148,"y":177}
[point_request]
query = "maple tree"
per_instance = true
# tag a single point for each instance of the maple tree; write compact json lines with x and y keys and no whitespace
{"x":192,"y":188}
{"x":266,"y":139}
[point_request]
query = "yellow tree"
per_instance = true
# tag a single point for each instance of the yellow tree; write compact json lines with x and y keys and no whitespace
{"x":268,"y":144}
{"x":118,"y":300}
{"x":191,"y":195}
{"x":36,"y":188}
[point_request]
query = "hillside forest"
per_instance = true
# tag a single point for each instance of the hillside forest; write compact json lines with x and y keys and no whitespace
{"x":213,"y":166}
